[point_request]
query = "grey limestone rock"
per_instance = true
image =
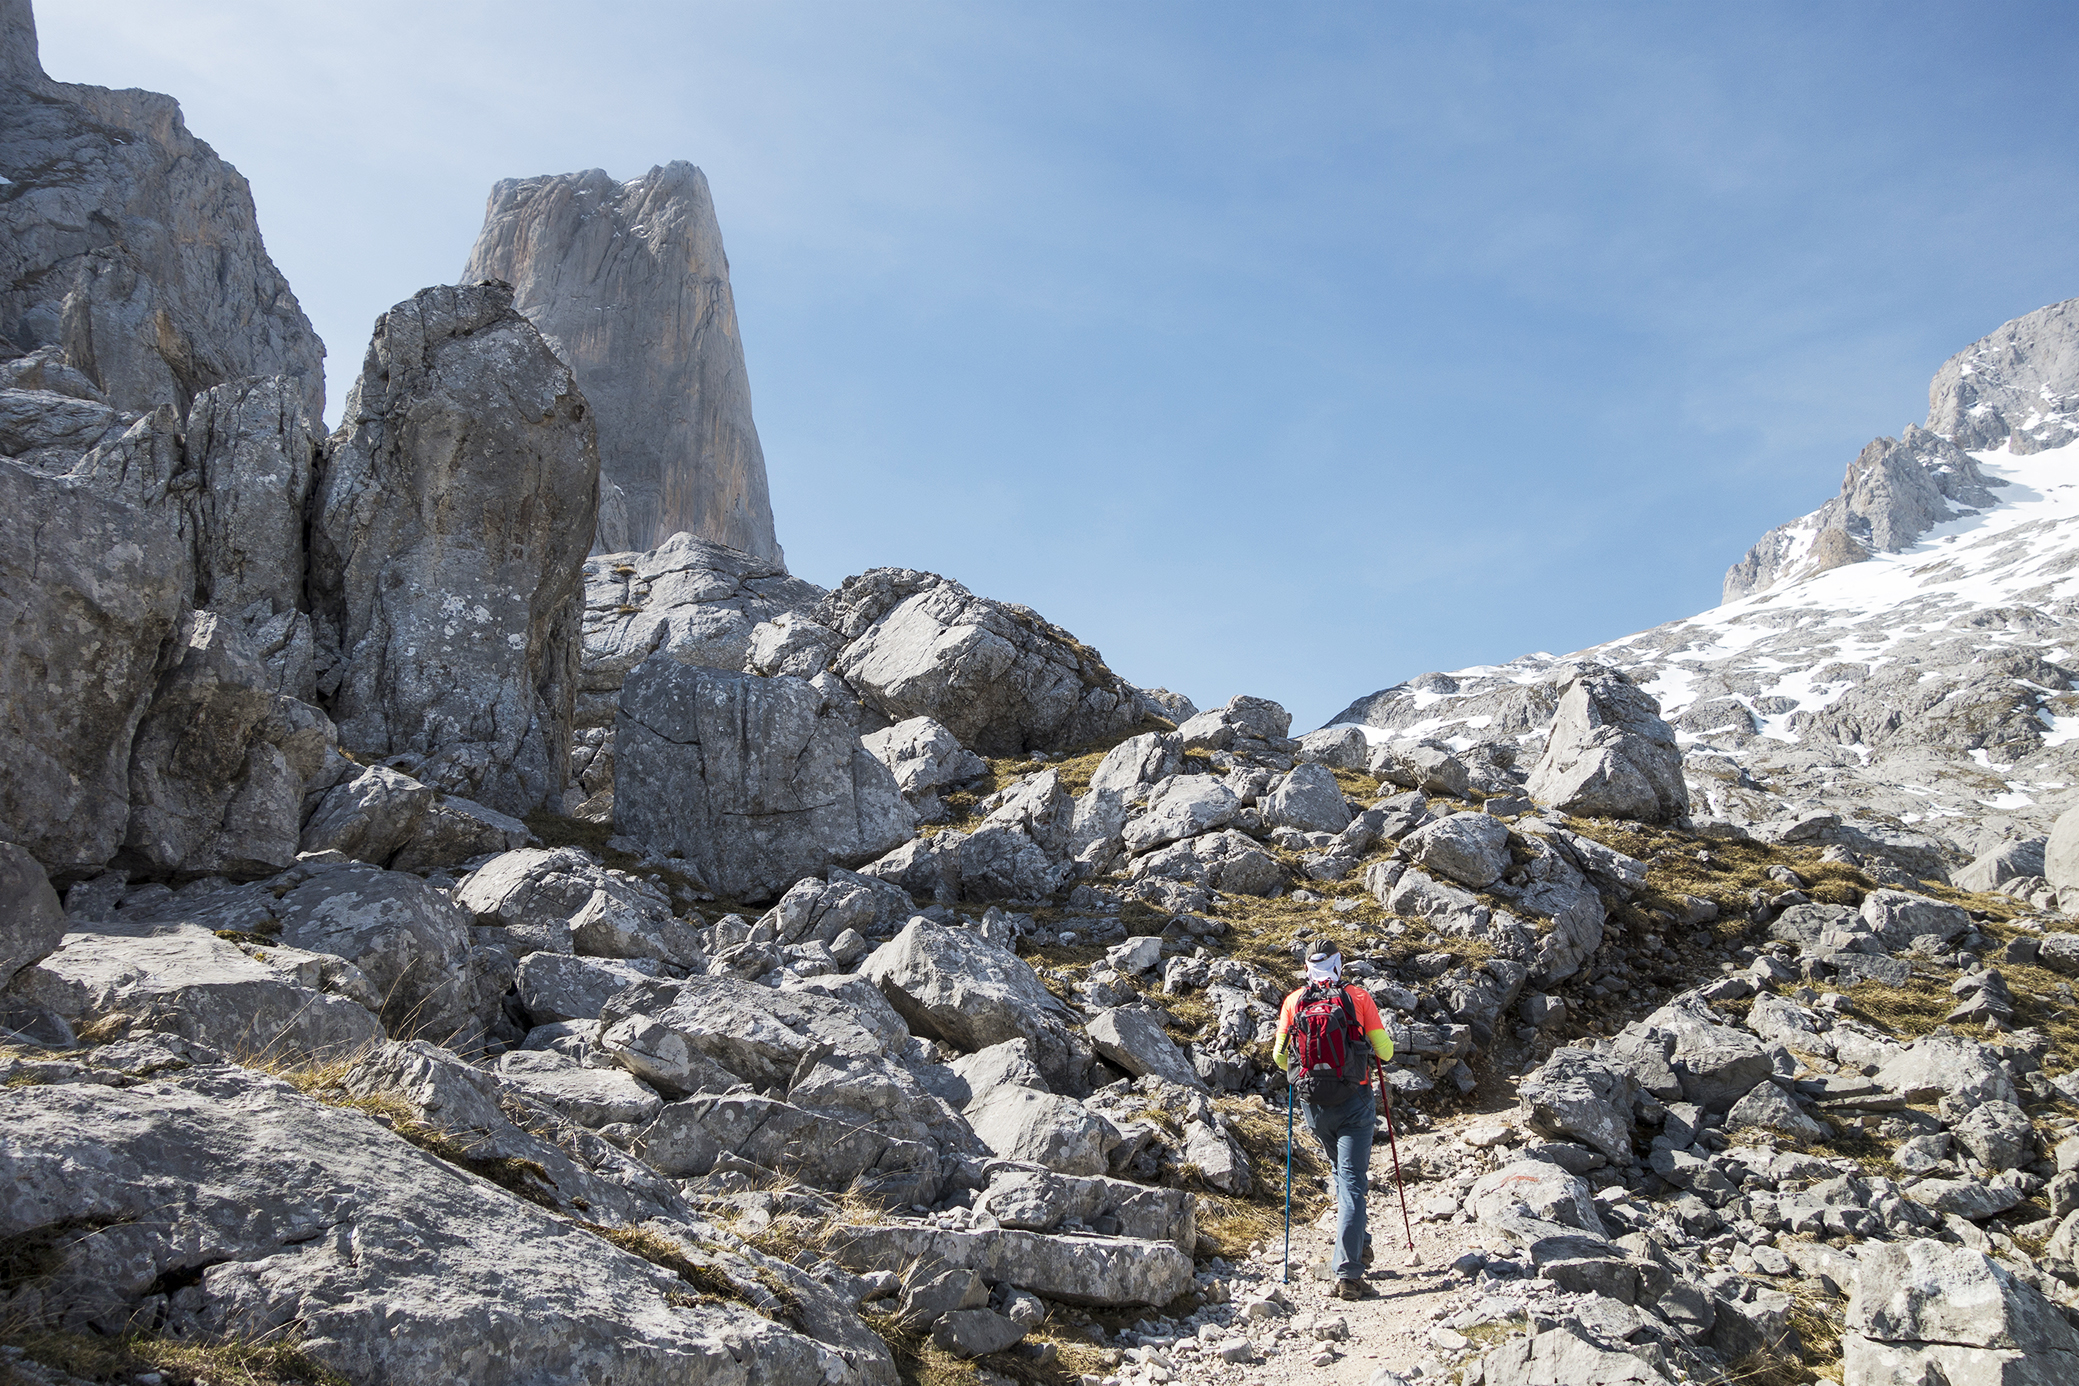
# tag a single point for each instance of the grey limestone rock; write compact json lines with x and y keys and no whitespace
{"x":1224,"y":861}
{"x":555,"y":987}
{"x":1132,"y":1037}
{"x":2061,"y":852}
{"x":409,"y":939}
{"x":219,"y":761}
{"x":1072,"y":1270}
{"x":753,"y":782}
{"x":1582,"y":1096}
{"x":561,"y":900}
{"x":310,"y":1210}
{"x":1609,"y":754}
{"x":128,"y":244}
{"x":1683,"y":1050}
{"x":32,"y":922}
{"x":182,"y":980}
{"x":1471,"y":848}
{"x":1042,"y":1128}
{"x":1004,"y":681}
{"x":923,"y":756}
{"x":2019,"y":385}
{"x":1996,"y":866}
{"x":1310,"y":800}
{"x":450,"y":521}
{"x":1542,"y":1188}
{"x":591,"y":1097}
{"x":1181,"y":806}
{"x":89,"y":590}
{"x":698,"y":601}
{"x":1026,"y":1199}
{"x":1921,"y":1311}
{"x":629,"y":284}
{"x":1427,"y":766}
{"x":955,"y":985}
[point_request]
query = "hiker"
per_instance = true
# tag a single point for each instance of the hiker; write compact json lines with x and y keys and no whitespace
{"x":1332,"y":1033}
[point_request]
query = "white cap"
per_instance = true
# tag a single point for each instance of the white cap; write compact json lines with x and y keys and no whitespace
{"x":1325,"y":967}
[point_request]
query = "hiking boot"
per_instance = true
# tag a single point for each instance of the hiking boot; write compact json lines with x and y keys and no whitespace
{"x":1351,"y":1289}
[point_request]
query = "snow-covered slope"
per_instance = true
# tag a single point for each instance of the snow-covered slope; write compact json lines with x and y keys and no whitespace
{"x":1930,"y":686}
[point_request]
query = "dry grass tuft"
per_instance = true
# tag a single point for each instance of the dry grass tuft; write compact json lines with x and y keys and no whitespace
{"x":179,"y":1362}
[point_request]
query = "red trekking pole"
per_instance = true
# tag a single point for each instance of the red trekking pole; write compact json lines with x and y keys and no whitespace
{"x":1394,"y":1146}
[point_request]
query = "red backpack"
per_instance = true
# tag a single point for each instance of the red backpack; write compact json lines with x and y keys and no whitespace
{"x":1330,"y":1054}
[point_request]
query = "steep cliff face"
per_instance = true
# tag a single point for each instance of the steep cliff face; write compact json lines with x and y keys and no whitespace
{"x":127,"y":242}
{"x":629,"y":283}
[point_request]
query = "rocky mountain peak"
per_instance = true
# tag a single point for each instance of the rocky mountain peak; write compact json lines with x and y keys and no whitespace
{"x":629,"y":283}
{"x":2017,"y":388}
{"x":19,"y":60}
{"x":2020,"y":385}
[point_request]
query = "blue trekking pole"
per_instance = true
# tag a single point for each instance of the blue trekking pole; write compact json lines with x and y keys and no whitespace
{"x":1285,"y":1270}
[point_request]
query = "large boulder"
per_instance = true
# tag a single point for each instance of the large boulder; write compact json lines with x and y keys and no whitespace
{"x":629,"y":284}
{"x":90,"y":588}
{"x":183,"y":980}
{"x":2061,"y":852}
{"x":2009,"y":861}
{"x":1033,"y":1200}
{"x":955,"y":985}
{"x":1581,"y":1096}
{"x":1609,"y":755}
{"x":410,"y":940}
{"x":450,"y":521}
{"x":253,"y":451}
{"x":699,"y":602}
{"x":680,"y":1036}
{"x":129,"y":246}
{"x":1001,"y":679}
{"x":1072,"y":1270}
{"x":308,"y":1214}
{"x":1042,"y":1128}
{"x":1225,"y":861}
{"x":1683,"y":1051}
{"x":1310,"y":800}
{"x":219,"y":761}
{"x":1132,"y":1038}
{"x":32,"y":922}
{"x":1936,"y":1066}
{"x":561,"y":900}
{"x":1179,"y":807}
{"x":1921,"y":1311}
{"x":1146,"y":759}
{"x":1471,"y":848}
{"x":754,"y":782}
{"x":1538,"y":1189}
{"x":923,"y":756}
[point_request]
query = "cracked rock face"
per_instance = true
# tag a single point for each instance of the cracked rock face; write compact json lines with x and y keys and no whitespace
{"x":308,"y":1213}
{"x":452,"y":514}
{"x":129,"y":245}
{"x":754,"y":782}
{"x":996,"y":675}
{"x":629,"y":284}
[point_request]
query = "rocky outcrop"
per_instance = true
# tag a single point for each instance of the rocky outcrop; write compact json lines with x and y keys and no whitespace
{"x":698,"y":602}
{"x":629,"y":284}
{"x":126,"y":243}
{"x":89,"y":590}
{"x":2018,"y":386}
{"x":751,"y":782}
{"x":1610,"y":755}
{"x":306,"y":1211}
{"x":219,"y":762}
{"x":449,"y":528}
{"x":1000,"y":678}
{"x":1897,"y":490}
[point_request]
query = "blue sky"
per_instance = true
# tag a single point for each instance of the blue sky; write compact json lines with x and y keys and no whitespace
{"x":1290,"y":350}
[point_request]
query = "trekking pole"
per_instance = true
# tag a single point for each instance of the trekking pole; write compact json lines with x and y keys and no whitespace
{"x":1285,"y":1269}
{"x":1399,"y":1186}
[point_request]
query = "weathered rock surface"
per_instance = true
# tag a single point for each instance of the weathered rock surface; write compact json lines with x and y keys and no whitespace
{"x":1924,"y":1311}
{"x":699,"y":602}
{"x":957,"y":986}
{"x":450,"y":521}
{"x":305,"y":1212}
{"x":629,"y":284}
{"x":1609,"y":755}
{"x":89,"y":589}
{"x":996,"y":675}
{"x":32,"y":922}
{"x":129,"y":245}
{"x":754,"y":782}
